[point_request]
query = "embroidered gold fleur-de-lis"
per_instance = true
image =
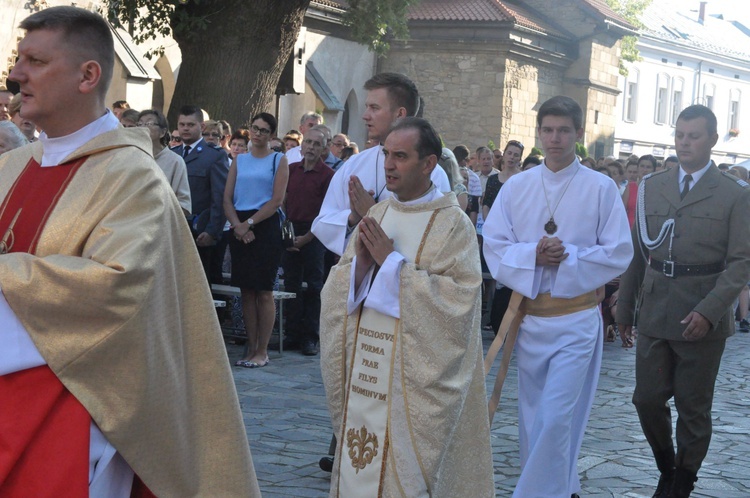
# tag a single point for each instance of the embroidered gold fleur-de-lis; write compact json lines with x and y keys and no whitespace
{"x":9,"y":238}
{"x":363,"y":447}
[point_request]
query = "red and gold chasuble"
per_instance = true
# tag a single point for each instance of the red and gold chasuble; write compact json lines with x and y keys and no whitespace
{"x":44,"y":430}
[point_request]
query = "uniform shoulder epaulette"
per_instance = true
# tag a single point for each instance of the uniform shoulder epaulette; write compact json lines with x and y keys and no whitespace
{"x":740,"y":181}
{"x":655,"y":173}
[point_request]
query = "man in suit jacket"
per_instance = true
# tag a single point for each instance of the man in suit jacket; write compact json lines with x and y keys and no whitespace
{"x":207,"y":167}
{"x":694,"y":259}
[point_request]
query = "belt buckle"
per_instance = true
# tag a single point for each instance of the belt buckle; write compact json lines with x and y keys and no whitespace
{"x":668,"y":269}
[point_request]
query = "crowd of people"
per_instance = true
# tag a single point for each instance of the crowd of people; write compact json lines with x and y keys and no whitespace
{"x":393,"y":252}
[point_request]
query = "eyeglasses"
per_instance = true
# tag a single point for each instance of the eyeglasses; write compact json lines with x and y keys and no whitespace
{"x":514,"y":143}
{"x":176,"y":138}
{"x":261,"y":131}
{"x":338,"y":144}
{"x":212,"y":135}
{"x":278,"y":148}
{"x":150,"y":123}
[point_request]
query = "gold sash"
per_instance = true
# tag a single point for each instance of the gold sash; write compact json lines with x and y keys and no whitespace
{"x":364,"y":442}
{"x":544,"y":306}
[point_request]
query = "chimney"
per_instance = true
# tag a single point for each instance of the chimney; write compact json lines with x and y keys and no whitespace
{"x":702,"y":13}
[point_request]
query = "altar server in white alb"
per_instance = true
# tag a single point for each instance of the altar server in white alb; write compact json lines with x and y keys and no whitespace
{"x":360,"y":182}
{"x":400,"y":340}
{"x":555,"y":234}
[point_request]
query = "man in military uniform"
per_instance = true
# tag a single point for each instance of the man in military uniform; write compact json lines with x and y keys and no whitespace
{"x":694,"y":259}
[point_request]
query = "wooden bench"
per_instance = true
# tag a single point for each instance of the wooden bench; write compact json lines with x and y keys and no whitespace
{"x":280,"y":296}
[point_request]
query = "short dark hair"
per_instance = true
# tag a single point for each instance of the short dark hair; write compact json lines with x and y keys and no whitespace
{"x":651,"y":159}
{"x":87,"y":32}
{"x":617,"y":164}
{"x":191,"y":110}
{"x":120,"y":104}
{"x":268,"y":118}
{"x":700,"y":111}
{"x":161,"y":120}
{"x":130,"y":114}
{"x":561,"y":106}
{"x":536,"y":160}
{"x":461,"y":152}
{"x":402,"y":92}
{"x":672,"y":159}
{"x":241,"y":134}
{"x":429,"y":141}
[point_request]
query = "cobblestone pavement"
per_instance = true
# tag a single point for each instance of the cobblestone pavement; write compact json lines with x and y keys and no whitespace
{"x":289,"y":429}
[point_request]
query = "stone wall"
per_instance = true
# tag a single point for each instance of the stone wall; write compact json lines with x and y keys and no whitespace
{"x":463,"y":91}
{"x":528,"y":85}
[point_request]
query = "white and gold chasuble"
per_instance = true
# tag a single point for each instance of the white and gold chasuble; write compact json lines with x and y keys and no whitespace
{"x":407,"y":395}
{"x":364,"y":441}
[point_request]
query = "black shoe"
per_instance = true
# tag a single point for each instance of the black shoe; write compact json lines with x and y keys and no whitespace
{"x":664,"y":486}
{"x":309,"y":348}
{"x":683,"y":483}
{"x":744,"y":326}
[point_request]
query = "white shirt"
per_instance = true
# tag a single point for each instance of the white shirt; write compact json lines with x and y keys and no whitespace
{"x":383,"y":295}
{"x":294,"y":155}
{"x":696,"y":176}
{"x":330,"y":227}
{"x":109,"y":474}
{"x":591,"y":223}
{"x":475,"y":184}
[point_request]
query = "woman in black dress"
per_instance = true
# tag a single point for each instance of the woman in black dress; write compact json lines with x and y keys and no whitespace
{"x":255,"y":189}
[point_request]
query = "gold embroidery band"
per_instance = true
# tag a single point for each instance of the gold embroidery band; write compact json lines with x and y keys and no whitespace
{"x":6,"y":245}
{"x":543,"y":306}
{"x":547,"y":306}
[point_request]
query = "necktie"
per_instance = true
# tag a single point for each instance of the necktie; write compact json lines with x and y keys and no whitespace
{"x":185,"y":151}
{"x":686,"y":188}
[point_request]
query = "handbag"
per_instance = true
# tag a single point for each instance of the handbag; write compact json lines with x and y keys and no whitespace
{"x":287,"y":233}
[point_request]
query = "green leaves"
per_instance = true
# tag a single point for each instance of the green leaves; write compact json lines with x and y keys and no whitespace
{"x":630,"y":10}
{"x":376,"y":23}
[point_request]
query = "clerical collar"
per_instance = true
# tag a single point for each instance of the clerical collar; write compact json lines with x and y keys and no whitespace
{"x":429,"y":196}
{"x":569,"y":169}
{"x":696,"y":176}
{"x":59,"y":148}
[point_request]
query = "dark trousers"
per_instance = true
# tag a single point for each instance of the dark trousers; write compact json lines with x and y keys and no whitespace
{"x":686,"y":371}
{"x":206,"y":254}
{"x":303,"y":312}
{"x":500,"y":303}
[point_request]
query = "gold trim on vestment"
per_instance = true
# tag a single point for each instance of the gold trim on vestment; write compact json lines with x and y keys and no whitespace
{"x":543,"y":306}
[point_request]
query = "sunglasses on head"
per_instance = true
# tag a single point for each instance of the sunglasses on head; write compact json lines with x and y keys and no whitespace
{"x":514,"y":143}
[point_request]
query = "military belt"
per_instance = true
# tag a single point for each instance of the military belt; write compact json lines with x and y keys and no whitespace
{"x":673,"y":270}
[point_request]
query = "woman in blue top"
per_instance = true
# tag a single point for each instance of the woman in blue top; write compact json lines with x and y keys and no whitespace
{"x":255,"y":189}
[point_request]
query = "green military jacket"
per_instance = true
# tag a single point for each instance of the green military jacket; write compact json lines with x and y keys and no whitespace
{"x":712,"y":225}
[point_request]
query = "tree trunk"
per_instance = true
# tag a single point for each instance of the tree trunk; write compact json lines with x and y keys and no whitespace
{"x":231,"y":68}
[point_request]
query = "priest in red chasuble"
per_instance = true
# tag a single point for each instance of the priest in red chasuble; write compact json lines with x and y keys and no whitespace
{"x":114,"y":380}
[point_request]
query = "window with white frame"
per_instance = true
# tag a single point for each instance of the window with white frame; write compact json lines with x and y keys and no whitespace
{"x":631,"y":96}
{"x":734,"y":109}
{"x":678,"y":85}
{"x":662,"y":98}
{"x":708,"y":95}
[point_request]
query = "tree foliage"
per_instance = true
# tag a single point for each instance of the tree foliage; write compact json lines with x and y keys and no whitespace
{"x":233,"y":51}
{"x":243,"y":44}
{"x":630,"y":10}
{"x":375,"y":22}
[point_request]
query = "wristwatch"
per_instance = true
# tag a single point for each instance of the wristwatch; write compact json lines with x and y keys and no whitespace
{"x":250,"y":223}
